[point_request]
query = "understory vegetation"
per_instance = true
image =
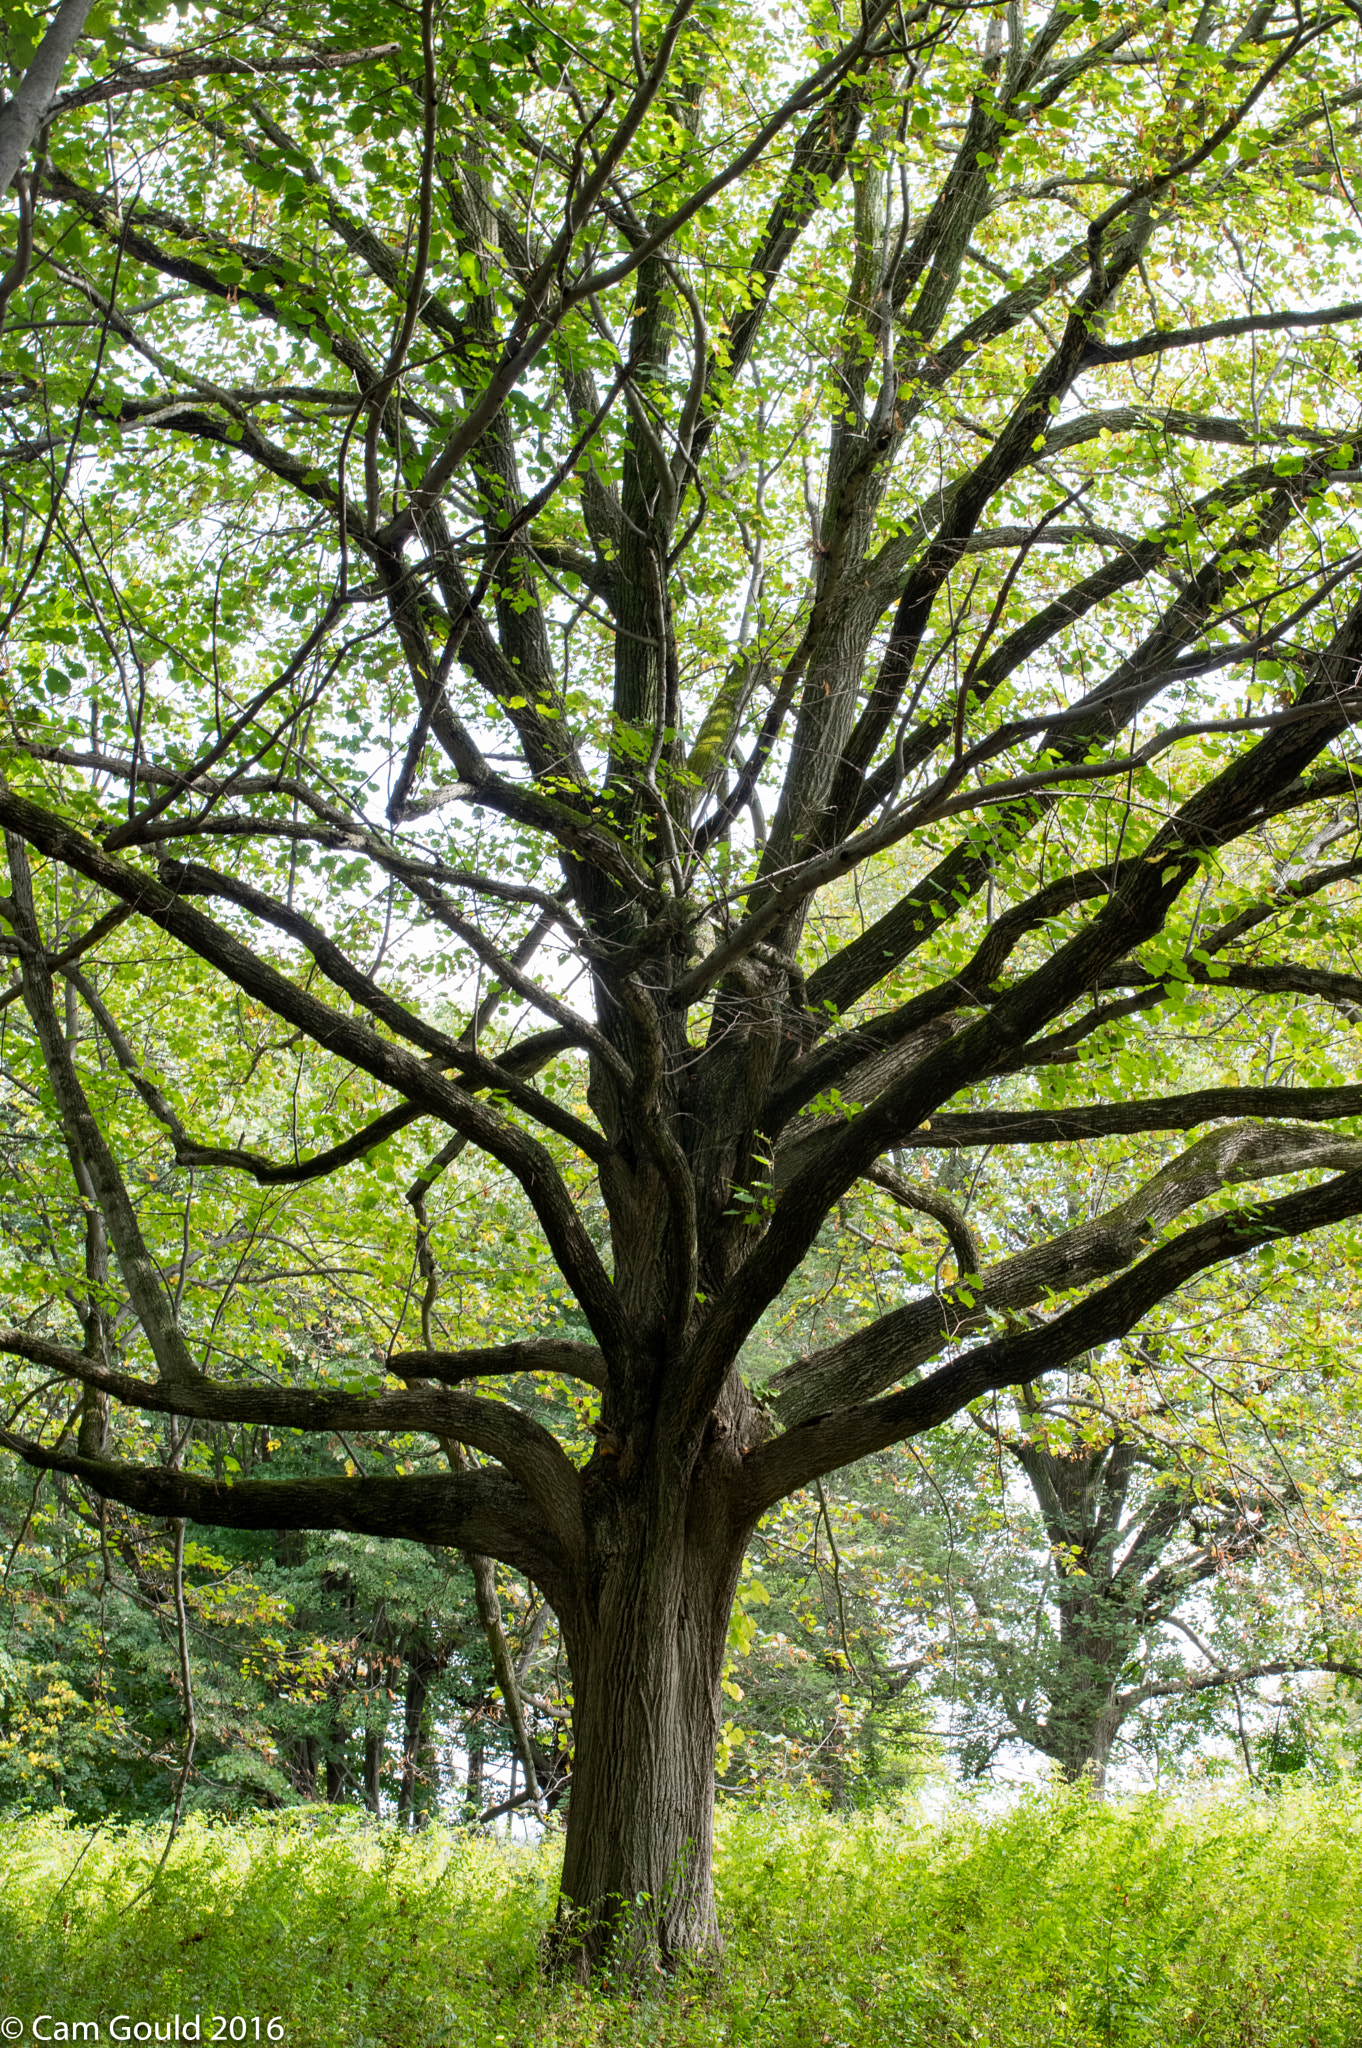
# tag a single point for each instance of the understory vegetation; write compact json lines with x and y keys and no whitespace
{"x":1067,"y":1922}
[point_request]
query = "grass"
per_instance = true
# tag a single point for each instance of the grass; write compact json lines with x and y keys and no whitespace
{"x":1064,"y":1924}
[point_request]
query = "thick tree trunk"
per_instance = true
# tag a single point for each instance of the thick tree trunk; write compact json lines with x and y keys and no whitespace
{"x":1082,"y":1749}
{"x":637,"y":1873}
{"x":1095,"y":1640}
{"x":1100,"y":1740}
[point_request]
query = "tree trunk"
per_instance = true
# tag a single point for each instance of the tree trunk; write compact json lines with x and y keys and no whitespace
{"x":427,"y":1777}
{"x":1095,"y":1640}
{"x":834,"y":1768}
{"x":373,"y":1768}
{"x":1083,"y":1752}
{"x":477,"y":1753}
{"x":1100,"y":1741}
{"x":306,"y":1772}
{"x":646,"y":1667}
{"x":412,"y":1718}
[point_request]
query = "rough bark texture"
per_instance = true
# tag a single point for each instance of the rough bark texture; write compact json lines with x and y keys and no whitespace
{"x":646,"y":1708}
{"x":646,"y":1636}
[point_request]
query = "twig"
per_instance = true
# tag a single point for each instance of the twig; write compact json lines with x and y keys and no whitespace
{"x":837,"y":1580}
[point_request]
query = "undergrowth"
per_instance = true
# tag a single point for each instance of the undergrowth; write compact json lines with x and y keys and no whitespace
{"x":1228,"y":1923}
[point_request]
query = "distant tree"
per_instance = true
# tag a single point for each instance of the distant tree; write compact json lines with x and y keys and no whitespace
{"x":813,"y":562}
{"x":1106,"y":1621}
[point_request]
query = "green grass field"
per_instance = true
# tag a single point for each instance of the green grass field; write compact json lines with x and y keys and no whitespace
{"x":1229,"y":1921}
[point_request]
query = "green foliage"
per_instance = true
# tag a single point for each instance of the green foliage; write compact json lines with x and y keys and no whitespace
{"x":1069,"y":1922}
{"x":301,"y":1650}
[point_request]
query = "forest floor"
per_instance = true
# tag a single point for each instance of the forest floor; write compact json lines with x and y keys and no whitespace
{"x":1065,"y":1923}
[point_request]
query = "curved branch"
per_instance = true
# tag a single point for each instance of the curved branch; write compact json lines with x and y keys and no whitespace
{"x":480,"y":1510}
{"x":1210,"y":1681}
{"x":124,"y":79}
{"x":1344,"y":991}
{"x":1217,"y":330}
{"x":519,"y":1060}
{"x":530,"y":1454}
{"x":939,"y":1207}
{"x":283,"y":1173}
{"x":837,"y":1438}
{"x":531,"y":1354}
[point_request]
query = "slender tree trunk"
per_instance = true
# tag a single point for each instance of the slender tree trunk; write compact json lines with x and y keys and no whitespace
{"x":413,"y":1717}
{"x":373,"y":1769}
{"x":489,"y":1613}
{"x":477,"y":1755}
{"x":427,"y":1801}
{"x":834,"y":1771}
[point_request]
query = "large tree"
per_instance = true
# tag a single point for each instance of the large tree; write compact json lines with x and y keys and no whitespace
{"x":686,"y":600}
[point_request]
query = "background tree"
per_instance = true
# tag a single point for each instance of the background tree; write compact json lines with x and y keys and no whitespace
{"x":1146,"y":1553}
{"x":694,"y":601}
{"x":1131,"y":1538}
